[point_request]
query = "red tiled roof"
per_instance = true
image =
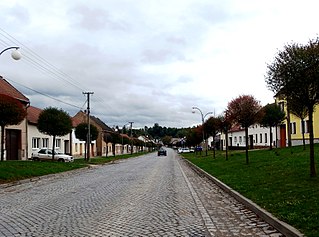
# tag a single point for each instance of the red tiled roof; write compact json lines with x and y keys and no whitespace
{"x":33,"y":114}
{"x":236,"y":128}
{"x":80,"y":117}
{"x":7,"y":89}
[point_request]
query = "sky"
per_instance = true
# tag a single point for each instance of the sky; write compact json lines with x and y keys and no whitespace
{"x":148,"y":61}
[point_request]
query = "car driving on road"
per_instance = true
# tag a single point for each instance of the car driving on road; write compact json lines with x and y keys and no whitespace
{"x":46,"y":154}
{"x":161,"y":152}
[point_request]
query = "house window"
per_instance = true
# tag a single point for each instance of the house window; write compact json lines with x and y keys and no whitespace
{"x":305,"y":125}
{"x":266,"y":138}
{"x":240,"y":139}
{"x":256,"y":137}
{"x":282,"y":106}
{"x":235,"y":139}
{"x":76,"y":147}
{"x":261,"y":138}
{"x":45,"y":142}
{"x":58,"y":143}
{"x":35,"y":142}
{"x":293,"y":128}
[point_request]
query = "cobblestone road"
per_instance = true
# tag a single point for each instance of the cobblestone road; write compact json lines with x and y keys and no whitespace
{"x":144,"y":196}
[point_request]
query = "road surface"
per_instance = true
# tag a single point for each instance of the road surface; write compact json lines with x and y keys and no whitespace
{"x":143,"y":196}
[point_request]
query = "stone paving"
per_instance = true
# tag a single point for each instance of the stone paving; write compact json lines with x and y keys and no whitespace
{"x":144,"y":196}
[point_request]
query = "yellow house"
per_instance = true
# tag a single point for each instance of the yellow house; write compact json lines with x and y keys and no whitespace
{"x":295,"y":126}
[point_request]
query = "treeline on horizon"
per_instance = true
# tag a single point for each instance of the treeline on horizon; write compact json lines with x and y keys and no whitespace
{"x":157,"y":132}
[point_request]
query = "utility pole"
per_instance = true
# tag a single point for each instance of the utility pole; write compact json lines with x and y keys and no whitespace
{"x":131,"y":138}
{"x":88,"y":138}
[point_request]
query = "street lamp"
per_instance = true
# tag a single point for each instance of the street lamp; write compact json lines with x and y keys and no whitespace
{"x":203,"y":120}
{"x":16,"y":55}
{"x":122,"y":136}
{"x":131,"y":138}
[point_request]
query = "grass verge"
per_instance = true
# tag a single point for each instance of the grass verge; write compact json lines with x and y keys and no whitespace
{"x":277,"y":180}
{"x":17,"y":170}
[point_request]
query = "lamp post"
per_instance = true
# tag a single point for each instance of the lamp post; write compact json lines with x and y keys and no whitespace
{"x":131,"y":138}
{"x":122,"y":136}
{"x":16,"y":55}
{"x":203,"y":120}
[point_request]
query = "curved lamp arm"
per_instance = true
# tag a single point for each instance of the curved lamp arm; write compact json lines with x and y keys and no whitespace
{"x":16,"y":55}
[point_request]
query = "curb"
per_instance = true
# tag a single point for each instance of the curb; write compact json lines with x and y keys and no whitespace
{"x":282,"y":227}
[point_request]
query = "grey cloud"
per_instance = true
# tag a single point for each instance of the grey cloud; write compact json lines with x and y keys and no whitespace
{"x":96,"y":19}
{"x":161,"y":56}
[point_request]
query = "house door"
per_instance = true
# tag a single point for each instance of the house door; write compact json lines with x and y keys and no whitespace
{"x":282,"y":135}
{"x":67,"y":147}
{"x":13,"y":144}
{"x":251,"y":141}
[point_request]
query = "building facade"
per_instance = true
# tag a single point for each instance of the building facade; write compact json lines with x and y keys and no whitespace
{"x":15,"y":136}
{"x":293,"y":127}
{"x":37,"y":140}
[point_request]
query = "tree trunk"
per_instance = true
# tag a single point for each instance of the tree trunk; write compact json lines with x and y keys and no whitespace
{"x":214,"y":147}
{"x":311,"y":142}
{"x":270,"y":138}
{"x":303,"y":133}
{"x":2,"y":142}
{"x":246,"y":135}
{"x":53,"y":148}
{"x":288,"y":127}
{"x":226,"y":145}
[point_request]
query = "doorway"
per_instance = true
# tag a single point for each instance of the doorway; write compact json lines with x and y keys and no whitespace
{"x":13,"y":144}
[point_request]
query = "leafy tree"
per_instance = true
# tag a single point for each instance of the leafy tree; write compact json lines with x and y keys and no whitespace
{"x":54,"y":122}
{"x":12,"y":112}
{"x":167,"y":140}
{"x":81,"y":132}
{"x":295,"y":74}
{"x":271,"y":116}
{"x":244,"y":111}
{"x":212,"y":127}
{"x":114,"y":138}
{"x":225,"y":126}
{"x":194,"y":136}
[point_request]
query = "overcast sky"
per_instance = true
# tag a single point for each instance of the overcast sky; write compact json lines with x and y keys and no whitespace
{"x":148,"y":61}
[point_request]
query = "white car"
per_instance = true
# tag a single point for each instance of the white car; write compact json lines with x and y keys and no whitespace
{"x":183,"y":150}
{"x":46,"y":154}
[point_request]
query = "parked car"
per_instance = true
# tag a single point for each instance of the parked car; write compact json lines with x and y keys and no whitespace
{"x":46,"y":154}
{"x":184,"y":150}
{"x":161,"y":152}
{"x":198,"y":148}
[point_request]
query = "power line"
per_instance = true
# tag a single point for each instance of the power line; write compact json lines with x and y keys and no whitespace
{"x":51,"y":97}
{"x":45,"y":67}
{"x":40,"y":61}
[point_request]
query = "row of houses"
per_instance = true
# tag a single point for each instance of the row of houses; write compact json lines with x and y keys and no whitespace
{"x":259,"y":137}
{"x":23,"y":139}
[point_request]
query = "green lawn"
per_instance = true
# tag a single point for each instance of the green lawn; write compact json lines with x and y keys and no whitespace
{"x":17,"y":170}
{"x":277,"y":180}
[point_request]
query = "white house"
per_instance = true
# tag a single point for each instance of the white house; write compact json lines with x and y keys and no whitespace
{"x":37,"y":140}
{"x":258,"y":137}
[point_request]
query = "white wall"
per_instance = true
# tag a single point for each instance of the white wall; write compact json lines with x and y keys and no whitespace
{"x":34,"y":134}
{"x":261,"y":137}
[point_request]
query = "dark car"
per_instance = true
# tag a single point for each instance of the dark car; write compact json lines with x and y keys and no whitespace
{"x":161,"y":152}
